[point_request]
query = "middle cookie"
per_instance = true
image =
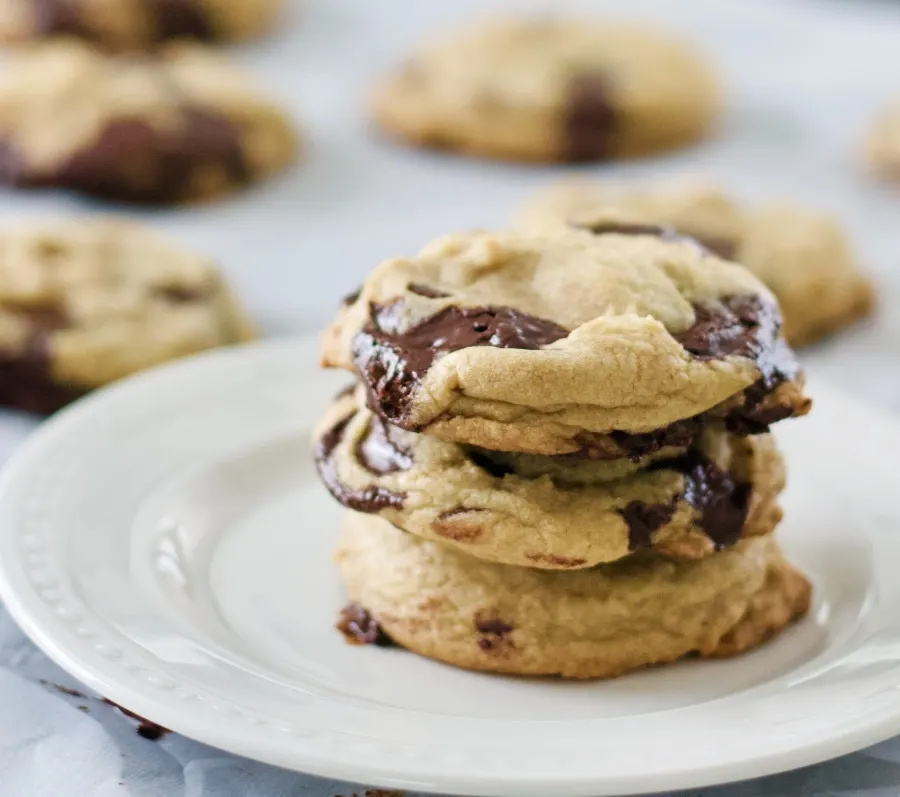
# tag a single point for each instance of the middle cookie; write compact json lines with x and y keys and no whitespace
{"x":551,"y":512}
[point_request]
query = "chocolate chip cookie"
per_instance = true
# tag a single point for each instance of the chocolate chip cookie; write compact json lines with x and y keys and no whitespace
{"x":566,"y":342}
{"x":136,"y":24}
{"x":595,"y":623}
{"x":87,"y":302}
{"x":801,"y":255}
{"x":687,"y":503}
{"x":181,"y":126}
{"x":550,"y":90}
{"x":882,"y":143}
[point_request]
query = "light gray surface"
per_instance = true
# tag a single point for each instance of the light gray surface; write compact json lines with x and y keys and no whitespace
{"x":804,"y":78}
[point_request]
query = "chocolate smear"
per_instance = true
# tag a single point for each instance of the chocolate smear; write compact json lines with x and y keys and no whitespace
{"x":146,"y":728}
{"x":745,"y":326}
{"x":644,"y":519}
{"x":367,"y":499}
{"x":393,"y":363}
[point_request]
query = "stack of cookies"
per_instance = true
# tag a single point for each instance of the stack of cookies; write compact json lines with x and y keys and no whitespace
{"x":556,"y":456}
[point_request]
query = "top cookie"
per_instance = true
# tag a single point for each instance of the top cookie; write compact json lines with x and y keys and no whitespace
{"x":180,"y":127}
{"x":802,"y":256}
{"x":565,"y":342}
{"x":136,"y":24}
{"x":550,"y":90}
{"x":87,"y":302}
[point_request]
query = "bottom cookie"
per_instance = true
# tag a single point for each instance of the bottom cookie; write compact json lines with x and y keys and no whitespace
{"x":595,"y":623}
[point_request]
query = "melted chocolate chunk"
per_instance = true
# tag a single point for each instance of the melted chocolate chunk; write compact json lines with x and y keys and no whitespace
{"x":589,"y":123}
{"x":380,"y":449}
{"x":721,"y":501}
{"x":643,"y":519}
{"x":26,"y":374}
{"x":171,"y":19}
{"x":636,"y":446}
{"x":146,"y":728}
{"x":368,"y":499}
{"x":393,"y":363}
{"x":426,"y":291}
{"x":360,"y":628}
{"x":108,"y":168}
{"x":745,"y":326}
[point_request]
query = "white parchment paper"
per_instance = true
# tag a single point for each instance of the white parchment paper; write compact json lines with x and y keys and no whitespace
{"x":805,"y":77}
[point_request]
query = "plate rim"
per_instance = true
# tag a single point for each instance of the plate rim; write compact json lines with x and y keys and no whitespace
{"x":35,"y":619}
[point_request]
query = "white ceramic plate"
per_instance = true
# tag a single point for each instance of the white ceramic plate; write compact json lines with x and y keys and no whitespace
{"x":167,"y":542}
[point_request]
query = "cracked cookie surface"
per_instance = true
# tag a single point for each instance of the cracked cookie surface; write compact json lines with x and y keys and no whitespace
{"x":595,"y":623}
{"x":550,"y":90}
{"x":802,"y":256}
{"x":86,"y":302}
{"x":557,"y":343}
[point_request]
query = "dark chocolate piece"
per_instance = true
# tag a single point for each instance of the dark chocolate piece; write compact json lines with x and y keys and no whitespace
{"x":360,"y":628}
{"x":590,"y":119}
{"x":148,"y":729}
{"x":171,"y":19}
{"x":368,"y":499}
{"x":26,"y":372}
{"x":643,"y":519}
{"x":495,"y":630}
{"x":108,"y":168}
{"x":745,"y":326}
{"x":380,"y":449}
{"x":636,"y":446}
{"x":393,"y":363}
{"x":721,"y":502}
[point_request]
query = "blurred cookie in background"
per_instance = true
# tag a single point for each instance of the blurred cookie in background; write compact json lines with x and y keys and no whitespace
{"x":182,"y":126}
{"x":88,"y":301}
{"x":882,"y":144}
{"x":803,"y":256}
{"x":137,"y":24}
{"x":550,"y":90}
